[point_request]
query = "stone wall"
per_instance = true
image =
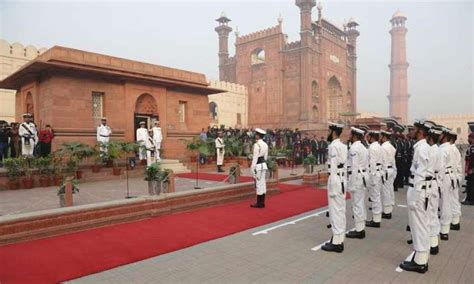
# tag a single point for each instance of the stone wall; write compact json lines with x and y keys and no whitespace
{"x":230,"y":104}
{"x":457,"y":122}
{"x":12,"y":57}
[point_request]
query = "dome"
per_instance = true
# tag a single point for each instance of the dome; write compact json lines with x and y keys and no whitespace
{"x":398,"y":14}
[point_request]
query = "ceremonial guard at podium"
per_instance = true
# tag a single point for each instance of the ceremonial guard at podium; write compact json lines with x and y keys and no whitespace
{"x":259,"y":167}
{"x":390,"y":171}
{"x":456,"y":160}
{"x":433,"y":206}
{"x":157,"y":138}
{"x":376,"y":178}
{"x":220,"y":151}
{"x":28,"y":134}
{"x":103,"y":135}
{"x":337,"y":158}
{"x":357,"y":164}
{"x":142,"y":138}
{"x":418,"y":195}
{"x":150,"y":148}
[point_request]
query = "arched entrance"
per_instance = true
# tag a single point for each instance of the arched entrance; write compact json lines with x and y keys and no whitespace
{"x":335,"y":98}
{"x":145,"y":110}
{"x":29,"y":106}
{"x":213,"y":112}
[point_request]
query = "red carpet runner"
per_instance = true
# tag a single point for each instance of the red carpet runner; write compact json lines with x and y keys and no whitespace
{"x":78,"y":254}
{"x":213,"y":177}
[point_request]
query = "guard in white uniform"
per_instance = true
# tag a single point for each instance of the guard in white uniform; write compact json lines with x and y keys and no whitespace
{"x":150,"y":149}
{"x":103,"y":136}
{"x":376,"y":178}
{"x":458,"y":177}
{"x":220,"y":151}
{"x":433,"y":139}
{"x":259,"y":167}
{"x":357,"y":164}
{"x":157,"y":138}
{"x":418,"y":195}
{"x":446,"y":183}
{"x":28,"y":134}
{"x":142,"y":138}
{"x":337,"y":158}
{"x":390,"y":170}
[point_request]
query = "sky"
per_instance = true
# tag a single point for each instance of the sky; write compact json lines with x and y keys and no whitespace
{"x":181,"y":34}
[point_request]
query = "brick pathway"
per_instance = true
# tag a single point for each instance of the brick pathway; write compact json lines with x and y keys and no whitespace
{"x":285,"y":255}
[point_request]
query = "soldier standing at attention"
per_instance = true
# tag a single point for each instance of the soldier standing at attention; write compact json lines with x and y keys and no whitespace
{"x":446,"y":182}
{"x":29,"y":135}
{"x":469,"y":170}
{"x":150,"y":148}
{"x":456,"y":163}
{"x":376,"y":178}
{"x":220,"y":151}
{"x":259,"y":167}
{"x":142,"y":138}
{"x":357,"y":165}
{"x":336,"y":188}
{"x":390,"y":171}
{"x":418,"y":195}
{"x":103,"y":136}
{"x":157,"y":138}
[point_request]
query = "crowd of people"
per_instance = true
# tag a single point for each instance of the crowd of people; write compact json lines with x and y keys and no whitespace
{"x":24,"y":139}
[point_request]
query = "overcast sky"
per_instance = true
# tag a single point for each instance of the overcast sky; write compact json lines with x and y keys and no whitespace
{"x":181,"y":34}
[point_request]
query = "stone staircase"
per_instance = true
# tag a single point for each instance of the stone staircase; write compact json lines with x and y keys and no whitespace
{"x":175,"y":165}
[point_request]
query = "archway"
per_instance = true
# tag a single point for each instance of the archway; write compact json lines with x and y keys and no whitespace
{"x":145,"y":110}
{"x":315,"y":90}
{"x":29,"y":105}
{"x":315,"y":113}
{"x":258,"y":56}
{"x":213,"y":111}
{"x":335,"y":98}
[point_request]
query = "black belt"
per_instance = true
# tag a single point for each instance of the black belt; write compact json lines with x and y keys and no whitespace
{"x":428,"y":178}
{"x":340,"y":166}
{"x":104,"y":135}
{"x":389,"y":167}
{"x":359,"y":171}
{"x":411,"y":185}
{"x":378,"y":164}
{"x":260,"y":160}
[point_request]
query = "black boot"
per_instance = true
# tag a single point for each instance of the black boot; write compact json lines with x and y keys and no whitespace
{"x":456,"y":227}
{"x":386,"y":215}
{"x":329,"y":246}
{"x":372,"y":224}
{"x":444,"y":237}
{"x":258,"y":204}
{"x":410,"y":241}
{"x":434,"y":250}
{"x":355,"y":234}
{"x":220,"y":169}
{"x":262,"y":201}
{"x":413,"y":266}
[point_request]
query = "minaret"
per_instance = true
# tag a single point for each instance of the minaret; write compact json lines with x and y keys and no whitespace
{"x":398,"y":97}
{"x":223,"y":31}
{"x":352,"y":35}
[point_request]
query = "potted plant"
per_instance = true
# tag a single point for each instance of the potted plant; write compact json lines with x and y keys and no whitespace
{"x":27,"y":170}
{"x":234,"y":174}
{"x":309,"y":163}
{"x":14,"y":171}
{"x":43,"y":165}
{"x":98,"y":157}
{"x":192,"y":146}
{"x":116,"y":149}
{"x":151,"y":176}
{"x":272,"y":166}
{"x":62,"y":191}
{"x":163,"y":181}
{"x":75,"y":153}
{"x":57,"y":169}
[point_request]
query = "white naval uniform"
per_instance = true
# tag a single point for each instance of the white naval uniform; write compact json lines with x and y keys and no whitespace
{"x":357,"y":165}
{"x":220,"y":151}
{"x":103,"y":136}
{"x":446,"y":183}
{"x":337,"y":158}
{"x":374,"y":184}
{"x":142,"y":137}
{"x":417,"y":194}
{"x":157,"y":138}
{"x":458,"y":177}
{"x":390,"y":171}
{"x":150,"y":151}
{"x":260,"y":149}
{"x":31,"y":136}
{"x":433,"y":205}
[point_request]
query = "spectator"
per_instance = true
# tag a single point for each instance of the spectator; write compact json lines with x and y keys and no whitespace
{"x":4,"y":137}
{"x":45,"y":138}
{"x":203,"y":135}
{"x":15,"y":141}
{"x":323,"y":150}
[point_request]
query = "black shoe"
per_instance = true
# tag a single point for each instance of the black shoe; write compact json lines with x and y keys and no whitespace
{"x":456,"y":227}
{"x":434,"y":250}
{"x":262,"y":202}
{"x":387,"y":216}
{"x":258,"y":204}
{"x":372,"y":224}
{"x":444,"y":237}
{"x":408,"y":228}
{"x":332,"y":247}
{"x":355,"y":234}
{"x":413,"y":266}
{"x":410,"y":241}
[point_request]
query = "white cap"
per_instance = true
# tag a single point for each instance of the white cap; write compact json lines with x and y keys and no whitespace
{"x":333,"y":126}
{"x":357,"y":130}
{"x":261,"y":131}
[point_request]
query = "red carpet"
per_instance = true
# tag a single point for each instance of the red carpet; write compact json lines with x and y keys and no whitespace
{"x":213,"y":177}
{"x":78,"y":254}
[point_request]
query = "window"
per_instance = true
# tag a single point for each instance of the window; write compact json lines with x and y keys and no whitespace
{"x":97,"y":105}
{"x":182,"y":111}
{"x":258,"y":56}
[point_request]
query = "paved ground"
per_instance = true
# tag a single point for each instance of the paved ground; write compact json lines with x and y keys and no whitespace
{"x":291,"y":253}
{"x":28,"y":200}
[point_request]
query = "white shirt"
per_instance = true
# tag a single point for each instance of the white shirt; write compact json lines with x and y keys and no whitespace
{"x":456,"y":162}
{"x":375,"y":157}
{"x":435,"y":157}
{"x":388,"y":154}
{"x":422,"y":166}
{"x":444,"y":156}
{"x":157,"y":135}
{"x":31,"y":126}
{"x":337,"y":155}
{"x":260,"y":149}
{"x":150,"y":144}
{"x":142,"y":135}
{"x":357,"y":161}
{"x":103,"y":133}
{"x":219,"y":143}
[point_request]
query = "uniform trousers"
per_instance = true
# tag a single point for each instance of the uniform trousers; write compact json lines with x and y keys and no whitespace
{"x":418,"y":219}
{"x":337,"y":208}
{"x":433,"y":206}
{"x":374,"y":187}
{"x":388,"y":195}
{"x":446,"y":213}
